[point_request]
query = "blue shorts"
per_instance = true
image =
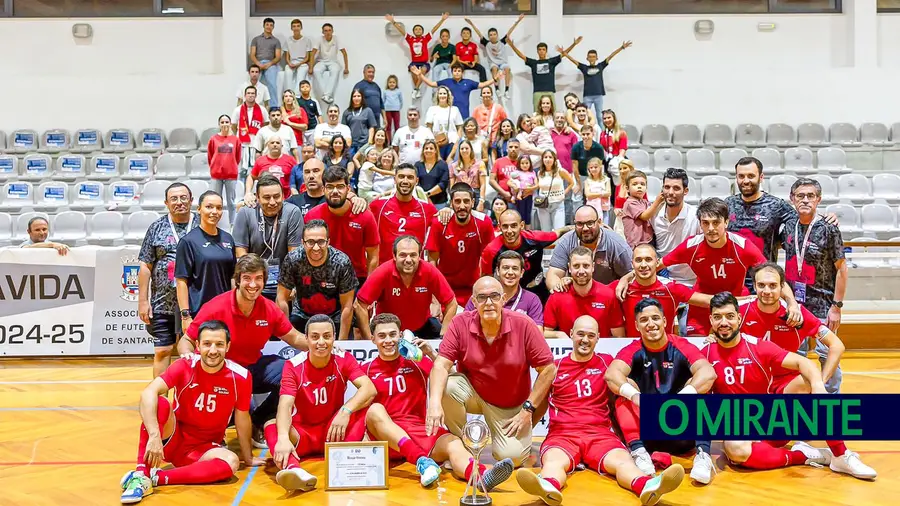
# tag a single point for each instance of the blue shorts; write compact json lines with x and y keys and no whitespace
{"x":424,"y":66}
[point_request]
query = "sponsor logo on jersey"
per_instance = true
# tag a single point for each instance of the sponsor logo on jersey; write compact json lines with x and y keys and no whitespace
{"x":593,"y":372}
{"x":598,"y":305}
{"x":745,"y":361}
{"x":405,"y":370}
{"x":782,"y":328}
{"x":331,"y":378}
{"x":262,"y":323}
{"x":421,"y":289}
{"x":221,"y":390}
{"x":668,"y":365}
{"x":353,"y":224}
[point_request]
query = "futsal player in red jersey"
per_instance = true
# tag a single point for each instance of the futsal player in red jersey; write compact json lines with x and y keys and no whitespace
{"x":208,"y":389}
{"x":765,"y":318}
{"x":398,"y":414}
{"x":747,"y":365}
{"x":580,"y":429}
{"x":401,"y":213}
{"x":456,"y":247}
{"x":311,"y":408}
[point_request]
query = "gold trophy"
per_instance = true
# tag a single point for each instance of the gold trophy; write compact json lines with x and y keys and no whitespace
{"x":475,"y":436}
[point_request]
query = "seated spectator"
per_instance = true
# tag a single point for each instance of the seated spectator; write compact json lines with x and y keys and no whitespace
{"x":307,"y":152}
{"x":545,"y":112}
{"x":324,"y":63}
{"x":380,"y":142}
{"x":467,"y":54}
{"x":471,"y":171}
{"x":294,"y":116}
{"x":376,"y":177}
{"x":593,"y":75}
{"x":489,"y":116}
{"x":262,"y":91}
{"x":479,"y":144}
{"x":587,"y":118}
{"x":460,"y":88}
{"x":371,"y":93}
{"x":331,"y":128}
{"x":442,"y":55}
{"x":276,"y":128}
{"x":38,"y":230}
{"x":495,"y":54}
{"x":338,"y":154}
{"x":505,"y":134}
{"x":265,"y":51}
{"x":614,"y":141}
{"x":223,"y":155}
{"x":361,"y":119}
{"x":553,"y":185}
{"x":434,"y":175}
{"x":297,"y":58}
{"x":638,"y":213}
{"x":445,"y":121}
{"x":418,"y":48}
{"x":504,"y":168}
{"x":275,"y":162}
{"x":533,"y":139}
{"x":409,"y":140}
{"x":584,"y":117}
{"x":510,"y":267}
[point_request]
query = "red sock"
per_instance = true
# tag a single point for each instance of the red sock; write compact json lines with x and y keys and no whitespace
{"x":661,"y":460}
{"x":779,"y":443}
{"x":629,"y":418}
{"x":554,"y":482}
{"x":163,"y":409}
{"x":271,"y":432}
{"x":838,"y":448}
{"x":637,"y":485}
{"x":198,"y":473}
{"x":410,"y":450}
{"x":481,"y":469}
{"x":763,"y":456}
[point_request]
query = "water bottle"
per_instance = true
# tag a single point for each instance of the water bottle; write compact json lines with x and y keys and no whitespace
{"x":408,"y":349}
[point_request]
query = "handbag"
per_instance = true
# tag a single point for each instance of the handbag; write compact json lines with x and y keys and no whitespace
{"x":543,"y":201}
{"x":441,"y":138}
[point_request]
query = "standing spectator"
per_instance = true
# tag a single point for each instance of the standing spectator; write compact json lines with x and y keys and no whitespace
{"x":157,"y":300}
{"x":597,"y":189}
{"x":443,"y":55}
{"x":371,"y":93}
{"x":223,"y":155}
{"x":675,"y":222}
{"x":584,"y":150}
{"x":564,"y":139}
{"x":583,"y":297}
{"x":638,"y":213}
{"x":504,"y":169}
{"x":495,"y":54}
{"x":593,"y":75}
{"x":339,"y":155}
{"x":409,"y":140}
{"x":612,"y":255}
{"x":467,"y":54}
{"x":262,"y":91}
{"x":553,"y":185}
{"x":294,"y":116}
{"x":246,"y":120}
{"x":477,"y":343}
{"x":324,"y":63}
{"x":471,"y":171}
{"x":204,"y":260}
{"x":307,"y":152}
{"x":333,"y":127}
{"x":299,"y":51}
{"x":543,"y":70}
{"x":445,"y":121}
{"x":401,"y":214}
{"x":265,"y":51}
{"x":523,"y":182}
{"x":489,"y":116}
{"x":459,"y":88}
{"x":534,"y":137}
{"x":418,"y":43}
{"x":322,"y":281}
{"x":276,"y":128}
{"x":270,"y":231}
{"x":392,"y":98}
{"x":361,"y":119}
{"x":275,"y":162}
{"x":614,"y":141}
{"x":510,"y":267}
{"x":433,"y":173}
{"x":505,"y":134}
{"x":313,"y":115}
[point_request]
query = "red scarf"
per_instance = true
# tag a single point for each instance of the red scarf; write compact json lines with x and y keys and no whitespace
{"x":248,"y":126}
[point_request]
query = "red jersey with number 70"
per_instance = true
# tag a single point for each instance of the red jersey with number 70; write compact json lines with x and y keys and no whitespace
{"x":318,"y":393}
{"x":204,"y":402}
{"x":401,"y":386}
{"x":747,"y":368}
{"x":579,"y":398}
{"x":395,"y":218}
{"x":717,"y":269}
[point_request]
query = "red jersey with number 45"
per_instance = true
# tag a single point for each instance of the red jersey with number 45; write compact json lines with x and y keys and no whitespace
{"x":773,"y":327}
{"x":717,"y":269}
{"x":747,"y":368}
{"x":395,"y":218}
{"x":669,"y":293}
{"x":402,"y":385}
{"x":204,"y":402}
{"x":579,"y":398}
{"x":318,"y":393}
{"x":459,"y":248}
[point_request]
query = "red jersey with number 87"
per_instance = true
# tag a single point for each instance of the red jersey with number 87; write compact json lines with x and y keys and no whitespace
{"x":401,"y":385}
{"x":318,"y":393}
{"x":747,"y":368}
{"x":579,"y":398}
{"x":395,"y":218}
{"x":204,"y":402}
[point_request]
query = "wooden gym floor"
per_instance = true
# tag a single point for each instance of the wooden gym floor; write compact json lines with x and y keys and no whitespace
{"x":68,"y":431}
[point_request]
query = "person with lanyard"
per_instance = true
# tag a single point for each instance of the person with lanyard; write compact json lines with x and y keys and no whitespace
{"x":271,"y":230}
{"x":315,"y":190}
{"x":204,"y":260}
{"x":510,"y":268}
{"x":157,"y":304}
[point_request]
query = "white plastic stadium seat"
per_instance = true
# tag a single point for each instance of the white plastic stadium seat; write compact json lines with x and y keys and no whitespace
{"x":138,"y":167}
{"x":106,"y":228}
{"x":812,"y":134}
{"x":199,"y":167}
{"x":20,"y":233}
{"x":87,"y":196}
{"x":86,"y":140}
{"x":829,"y":188}
{"x":887,"y":187}
{"x":22,"y":141}
{"x":69,"y":227}
{"x":122,"y":195}
{"x":718,"y":136}
{"x":880,"y":219}
{"x":150,"y":140}
{"x":875,"y":134}
{"x":715,"y":186}
{"x":667,"y":158}
{"x":799,"y":161}
{"x":171,"y":166}
{"x":656,"y":136}
{"x":183,"y":140}
{"x":833,"y":160}
{"x":701,"y":162}
{"x":197,"y":187}
{"x":118,"y":140}
{"x":9,"y":167}
{"x":634,"y":136}
{"x":6,"y":233}
{"x":780,"y":185}
{"x":781,"y":135}
{"x":844,"y":134}
{"x":52,"y":196}
{"x":654,"y":186}
{"x":640,"y":159}
{"x":37,"y":167}
{"x":749,"y":135}
{"x":693,"y":196}
{"x":104,"y":167}
{"x":687,"y":136}
{"x":137,"y":226}
{"x":847,"y":216}
{"x":69,"y":167}
{"x":855,"y":187}
{"x":153,"y":196}
{"x":771,"y":160}
{"x":729,"y":157}
{"x":54,"y":141}
{"x":210,"y":132}
{"x":16,"y":196}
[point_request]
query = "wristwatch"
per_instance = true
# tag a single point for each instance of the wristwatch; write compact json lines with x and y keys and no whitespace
{"x":528,"y":406}
{"x":185,"y":314}
{"x":838,"y":304}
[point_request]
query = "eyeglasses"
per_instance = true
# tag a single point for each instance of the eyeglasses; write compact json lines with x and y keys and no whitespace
{"x":179,"y":198}
{"x":338,"y":187}
{"x":493,"y":297}
{"x":310,"y":243}
{"x":585,"y":224}
{"x":805,"y":196}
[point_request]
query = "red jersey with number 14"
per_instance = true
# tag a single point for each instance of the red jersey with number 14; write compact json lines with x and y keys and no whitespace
{"x":395,"y":218}
{"x":459,"y":248}
{"x":579,"y":398}
{"x":401,"y":386}
{"x":747,"y":368}
{"x":204,"y":402}
{"x":318,"y":393}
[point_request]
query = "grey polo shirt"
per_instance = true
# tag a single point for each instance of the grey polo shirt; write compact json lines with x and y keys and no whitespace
{"x":265,"y":46}
{"x":612,"y":256}
{"x":247,"y":233}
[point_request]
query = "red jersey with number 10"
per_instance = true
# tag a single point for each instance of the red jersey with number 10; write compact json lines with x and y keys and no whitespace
{"x":401,"y":386}
{"x":395,"y":218}
{"x":579,"y":398}
{"x":318,"y":393}
{"x":204,"y":402}
{"x":747,"y":368}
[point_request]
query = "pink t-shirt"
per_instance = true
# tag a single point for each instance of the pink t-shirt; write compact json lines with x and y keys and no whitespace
{"x":637,"y":231}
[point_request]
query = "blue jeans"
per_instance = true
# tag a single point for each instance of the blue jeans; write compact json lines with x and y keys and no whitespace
{"x":266,"y":374}
{"x":595,"y":101}
{"x":440,"y":72}
{"x":833,"y":385}
{"x":270,"y":79}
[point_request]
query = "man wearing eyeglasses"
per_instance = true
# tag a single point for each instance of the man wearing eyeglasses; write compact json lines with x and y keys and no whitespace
{"x":320,"y":279}
{"x":479,"y":343}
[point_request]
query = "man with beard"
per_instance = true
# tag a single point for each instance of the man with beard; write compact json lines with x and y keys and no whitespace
{"x":581,"y":430}
{"x":747,"y":365}
{"x":353,"y":233}
{"x":504,"y":169}
{"x":659,"y":363}
{"x":157,"y":303}
{"x":320,"y":279}
{"x":208,"y":389}
{"x":311,"y":407}
{"x":324,"y":132}
{"x":611,"y":253}
{"x":271,"y":230}
{"x":455,"y":247}
{"x":528,"y":243}
{"x":274,"y":162}
{"x":252,"y":320}
{"x":675,"y":222}
{"x":584,"y":297}
{"x":401,"y":213}
{"x":315,"y":190}
{"x":246,"y":120}
{"x":276,"y":128}
{"x":405,"y":287}
{"x":398,"y":413}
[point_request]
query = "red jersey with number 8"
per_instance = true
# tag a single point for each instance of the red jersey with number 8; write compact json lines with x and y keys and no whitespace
{"x":579,"y":398}
{"x":318,"y":393}
{"x":459,"y":249}
{"x":747,"y":368}
{"x":401,"y":385}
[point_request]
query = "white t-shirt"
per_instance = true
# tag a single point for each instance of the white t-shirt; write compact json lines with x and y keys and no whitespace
{"x":324,"y":130}
{"x":298,"y":48}
{"x":262,"y":93}
{"x":443,"y":120}
{"x":409,"y":142}
{"x":671,"y":234}
{"x":288,"y":141}
{"x":328,"y":51}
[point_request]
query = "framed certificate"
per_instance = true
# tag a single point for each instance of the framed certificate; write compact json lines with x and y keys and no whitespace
{"x":356,"y":465}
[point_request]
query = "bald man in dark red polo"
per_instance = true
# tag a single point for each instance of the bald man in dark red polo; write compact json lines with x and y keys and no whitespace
{"x":487,"y":383}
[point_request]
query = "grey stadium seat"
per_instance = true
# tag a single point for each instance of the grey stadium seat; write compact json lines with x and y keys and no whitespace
{"x":687,"y":136}
{"x":855,"y":187}
{"x":829,"y":188}
{"x":654,"y":186}
{"x":718,"y":136}
{"x":171,"y":166}
{"x":137,"y":226}
{"x":799,"y":161}
{"x":122,"y":195}
{"x":150,"y":140}
{"x":844,"y":134}
{"x":153,"y":196}
{"x":52,"y":196}
{"x":693,"y":195}
{"x":9,"y":167}
{"x":875,"y":134}
{"x":22,"y":141}
{"x":656,"y":136}
{"x":886,"y":187}
{"x":634,"y":136}
{"x":770,"y":158}
{"x":69,"y":227}
{"x":701,"y":162}
{"x":106,"y":228}
{"x":781,"y":135}
{"x":879,"y":219}
{"x":847,"y":216}
{"x":6,"y":232}
{"x":715,"y":186}
{"x":104,"y":167}
{"x":729,"y":157}
{"x":54,"y":141}
{"x":138,"y":167}
{"x":780,"y":185}
{"x":640,"y":159}
{"x":88,"y":196}
{"x":749,"y":135}
{"x":69,"y":167}
{"x":36,"y":167}
{"x":833,"y":160}
{"x":87,"y":140}
{"x":16,"y":197}
{"x":197,"y":187}
{"x":20,"y":233}
{"x":118,"y":140}
{"x":813,"y":135}
{"x":666,"y":158}
{"x":210,"y":132}
{"x":183,"y":140}
{"x":199,"y":167}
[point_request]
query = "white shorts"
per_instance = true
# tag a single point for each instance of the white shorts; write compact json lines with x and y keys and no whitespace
{"x":499,"y":66}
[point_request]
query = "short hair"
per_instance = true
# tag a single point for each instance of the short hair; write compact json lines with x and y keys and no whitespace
{"x":466,"y":29}
{"x":334,"y":106}
{"x":314,"y":224}
{"x":268,"y":20}
{"x":407,"y":237}
{"x":214,"y":326}
{"x":589,"y":128}
{"x":251,"y":67}
{"x":542,"y":45}
{"x":513,"y":140}
{"x":581,"y":251}
{"x":413,"y":108}
{"x":581,"y":105}
{"x":713,"y":207}
{"x":418,"y":26}
{"x":747,"y":160}
{"x":635,"y":174}
{"x":676,"y":173}
{"x":723,"y":299}
{"x":384,"y":319}
{"x":335,"y":174}
{"x":251,"y":87}
{"x":327,"y":25}
{"x":492,"y":30}
{"x":768,"y":266}
{"x":592,"y":51}
{"x":457,"y":65}
{"x":296,"y":21}
{"x":174,"y":186}
{"x":461,"y":187}
{"x":403,"y":166}
{"x":250,"y":263}
{"x":207,"y":194}
{"x":319,"y":318}
{"x":275,"y":109}
{"x":645,"y":303}
{"x":304,"y":82}
{"x":511,"y":255}
{"x":443,"y":31}
{"x":806,"y":181}
{"x":36,"y":219}
{"x":266,"y":179}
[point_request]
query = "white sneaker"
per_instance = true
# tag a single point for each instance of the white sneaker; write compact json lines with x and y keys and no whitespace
{"x":658,"y":486}
{"x":258,"y":439}
{"x":327,"y":99}
{"x":849,"y":463}
{"x":506,"y":94}
{"x":704,"y":469}
{"x":295,"y":479}
{"x":534,"y":485}
{"x":643,"y":461}
{"x":816,"y":457}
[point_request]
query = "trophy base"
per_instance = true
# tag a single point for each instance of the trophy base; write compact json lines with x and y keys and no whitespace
{"x":478,"y":500}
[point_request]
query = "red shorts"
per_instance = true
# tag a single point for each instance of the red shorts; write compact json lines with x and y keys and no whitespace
{"x":779,"y":383}
{"x":183,"y":450}
{"x":312,"y":437}
{"x":415,"y":429}
{"x":590,"y":448}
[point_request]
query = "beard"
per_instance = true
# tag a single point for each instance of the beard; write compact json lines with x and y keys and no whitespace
{"x":728,"y":338}
{"x":336,"y":204}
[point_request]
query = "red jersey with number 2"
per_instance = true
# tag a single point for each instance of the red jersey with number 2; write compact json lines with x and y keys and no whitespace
{"x":395,"y":218}
{"x":401,"y":386}
{"x":579,"y":398}
{"x":318,"y":393}
{"x":747,"y":368}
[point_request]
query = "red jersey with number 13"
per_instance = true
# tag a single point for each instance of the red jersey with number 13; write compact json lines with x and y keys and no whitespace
{"x":579,"y":398}
{"x":401,"y":386}
{"x":747,"y":368}
{"x":318,"y":393}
